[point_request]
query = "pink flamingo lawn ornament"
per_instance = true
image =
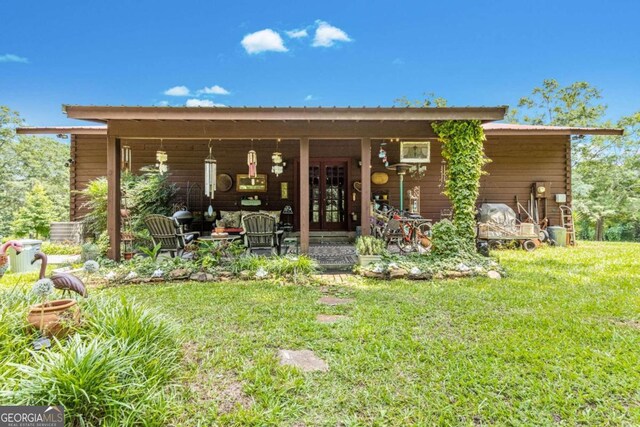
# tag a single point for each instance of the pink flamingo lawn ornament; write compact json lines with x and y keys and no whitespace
{"x":63,"y":281}
{"x":4,"y":259}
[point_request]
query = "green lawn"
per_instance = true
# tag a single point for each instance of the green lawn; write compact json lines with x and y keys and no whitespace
{"x":557,"y":342}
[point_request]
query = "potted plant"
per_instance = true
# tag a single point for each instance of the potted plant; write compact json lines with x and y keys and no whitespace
{"x":370,"y":250}
{"x":52,"y":318}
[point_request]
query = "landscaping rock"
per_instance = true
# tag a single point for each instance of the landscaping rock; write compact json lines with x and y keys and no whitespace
{"x":397,"y":273}
{"x":373,"y":274}
{"x":330,"y":318}
{"x":179,"y":274}
{"x":245,"y":274}
{"x":333,"y":301}
{"x":306,"y":360}
{"x":494,"y":275}
{"x":202,"y":277}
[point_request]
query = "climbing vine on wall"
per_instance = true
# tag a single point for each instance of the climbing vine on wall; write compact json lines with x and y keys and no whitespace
{"x":463,"y":150}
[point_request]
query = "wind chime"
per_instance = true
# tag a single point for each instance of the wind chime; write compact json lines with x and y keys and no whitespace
{"x":443,"y":173}
{"x":382,"y":154}
{"x":210,"y":178}
{"x":125,"y":158}
{"x":276,"y":158}
{"x":252,"y":162}
{"x":161,"y":159}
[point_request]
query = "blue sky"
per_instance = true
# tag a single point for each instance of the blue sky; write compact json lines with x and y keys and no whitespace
{"x":354,"y":52}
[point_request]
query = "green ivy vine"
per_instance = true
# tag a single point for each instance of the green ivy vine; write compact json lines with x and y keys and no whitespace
{"x":463,"y":150}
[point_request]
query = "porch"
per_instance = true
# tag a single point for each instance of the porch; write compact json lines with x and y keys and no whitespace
{"x":325,"y":185}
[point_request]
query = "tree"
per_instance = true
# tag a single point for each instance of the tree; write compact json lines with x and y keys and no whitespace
{"x":25,"y":160}
{"x":430,"y":100}
{"x":35,"y":216}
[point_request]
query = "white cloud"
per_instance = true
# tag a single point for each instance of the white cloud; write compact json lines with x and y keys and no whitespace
{"x":214,"y":90}
{"x":309,"y":98}
{"x":296,"y":34}
{"x":162,"y":103}
{"x":326,"y":35}
{"x":9,"y":57}
{"x":194,"y":102}
{"x":263,"y":41}
{"x":177,"y":91}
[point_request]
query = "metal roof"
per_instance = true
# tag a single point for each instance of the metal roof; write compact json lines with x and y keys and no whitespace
{"x":517,"y":129}
{"x":105,"y":113}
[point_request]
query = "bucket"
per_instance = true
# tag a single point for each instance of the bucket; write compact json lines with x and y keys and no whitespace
{"x":22,"y":263}
{"x":558,"y":234}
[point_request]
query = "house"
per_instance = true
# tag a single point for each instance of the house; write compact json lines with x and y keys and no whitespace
{"x":330,"y":156}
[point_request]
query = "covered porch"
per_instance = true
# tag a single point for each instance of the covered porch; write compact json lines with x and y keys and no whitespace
{"x":318,"y":145}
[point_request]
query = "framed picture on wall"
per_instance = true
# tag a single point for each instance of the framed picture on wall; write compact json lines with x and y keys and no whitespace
{"x":415,"y":151}
{"x":251,"y":185}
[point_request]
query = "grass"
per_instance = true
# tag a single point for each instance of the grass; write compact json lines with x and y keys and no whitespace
{"x":556,"y":342}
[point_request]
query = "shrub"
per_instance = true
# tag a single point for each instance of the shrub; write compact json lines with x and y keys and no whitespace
{"x":60,"y":248}
{"x":35,"y":216}
{"x":95,"y":195}
{"x":446,"y":240}
{"x":90,"y":251}
{"x":277,"y":265}
{"x":368,"y":245}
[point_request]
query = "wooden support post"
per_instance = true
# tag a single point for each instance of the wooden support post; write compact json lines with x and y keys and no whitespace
{"x":113,"y":197}
{"x":304,"y":195}
{"x":365,"y":179}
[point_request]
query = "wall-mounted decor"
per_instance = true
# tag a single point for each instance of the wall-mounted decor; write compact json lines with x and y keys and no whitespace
{"x":357,"y":185}
{"x":415,"y":151}
{"x":414,"y":200}
{"x":225,"y":182}
{"x":284,"y":190}
{"x":247,"y":184}
{"x":379,"y":178}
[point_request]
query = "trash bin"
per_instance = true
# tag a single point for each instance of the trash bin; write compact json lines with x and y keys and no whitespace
{"x":22,"y":263}
{"x":558,"y":235}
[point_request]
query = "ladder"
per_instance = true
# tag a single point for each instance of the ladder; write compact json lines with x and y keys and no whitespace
{"x":566,"y":213}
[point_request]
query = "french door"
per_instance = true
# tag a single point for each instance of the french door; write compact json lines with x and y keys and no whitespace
{"x":328,"y":181}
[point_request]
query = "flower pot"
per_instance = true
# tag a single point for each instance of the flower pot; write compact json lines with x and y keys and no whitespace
{"x":128,"y":255}
{"x":369,"y":259}
{"x":54,"y":318}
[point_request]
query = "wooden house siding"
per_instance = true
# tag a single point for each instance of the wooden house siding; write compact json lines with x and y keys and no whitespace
{"x":517,"y":162}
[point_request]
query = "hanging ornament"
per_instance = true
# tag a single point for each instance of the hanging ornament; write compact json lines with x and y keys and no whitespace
{"x":252,"y":162}
{"x":161,"y":158}
{"x":382,"y":154}
{"x":125,"y":158}
{"x":210,"y":173}
{"x":418,"y":170}
{"x":278,"y":164}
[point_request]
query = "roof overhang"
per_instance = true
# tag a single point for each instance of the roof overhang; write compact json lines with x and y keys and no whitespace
{"x":496,"y":129}
{"x":65,"y":130}
{"x":105,"y":113}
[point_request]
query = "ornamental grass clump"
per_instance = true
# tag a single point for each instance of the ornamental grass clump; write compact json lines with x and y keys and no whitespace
{"x":117,"y":369}
{"x":367,"y":245}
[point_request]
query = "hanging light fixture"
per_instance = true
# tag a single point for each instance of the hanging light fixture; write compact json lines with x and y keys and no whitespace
{"x":252,"y":162}
{"x":276,"y":158}
{"x":125,"y":158}
{"x":161,"y":158}
{"x":210,"y":178}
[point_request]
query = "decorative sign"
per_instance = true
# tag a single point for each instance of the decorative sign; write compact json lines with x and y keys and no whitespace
{"x":284,"y":190}
{"x":415,"y":151}
{"x":247,"y":184}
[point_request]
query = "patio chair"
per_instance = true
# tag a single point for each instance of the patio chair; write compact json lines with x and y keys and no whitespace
{"x":261,"y":233}
{"x":167,"y":232}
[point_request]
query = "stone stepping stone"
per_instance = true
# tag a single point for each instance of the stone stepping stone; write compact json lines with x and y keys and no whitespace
{"x":306,"y":360}
{"x":333,"y":301}
{"x":330,"y":318}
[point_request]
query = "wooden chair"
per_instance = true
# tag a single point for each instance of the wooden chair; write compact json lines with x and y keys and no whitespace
{"x":167,"y":232}
{"x":261,"y":233}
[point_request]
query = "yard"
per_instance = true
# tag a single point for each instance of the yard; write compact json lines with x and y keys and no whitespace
{"x":555,"y":342}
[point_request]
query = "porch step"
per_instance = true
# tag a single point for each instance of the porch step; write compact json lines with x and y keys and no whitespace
{"x":328,"y":237}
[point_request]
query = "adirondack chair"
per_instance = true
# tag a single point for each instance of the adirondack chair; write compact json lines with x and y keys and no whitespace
{"x":166,"y":231}
{"x":261,"y":233}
